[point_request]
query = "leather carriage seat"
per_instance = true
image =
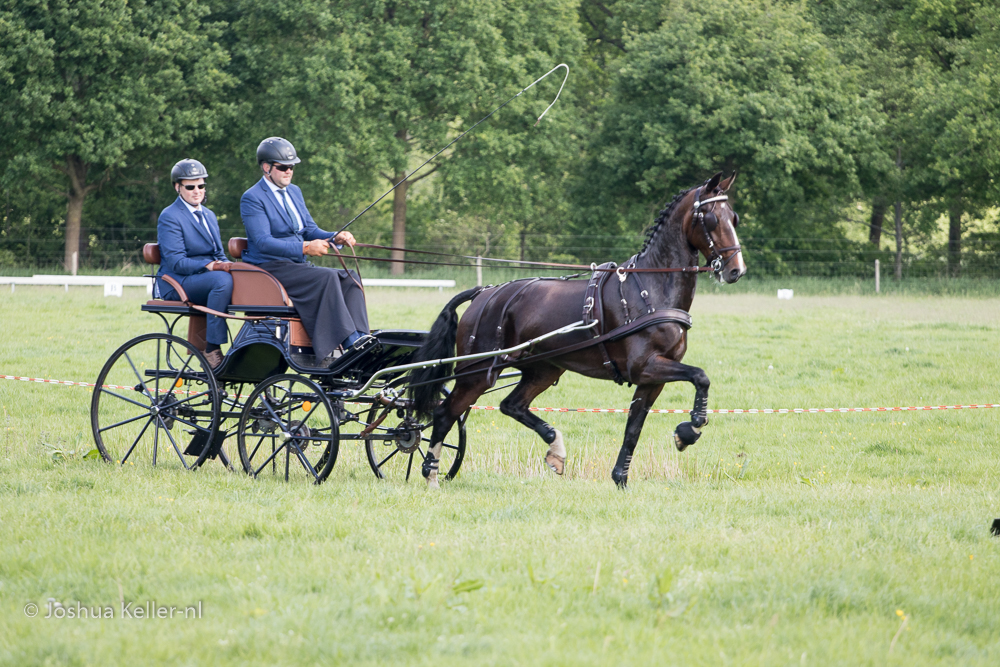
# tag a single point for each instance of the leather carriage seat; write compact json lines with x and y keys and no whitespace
{"x":253,"y":286}
{"x":237,"y":245}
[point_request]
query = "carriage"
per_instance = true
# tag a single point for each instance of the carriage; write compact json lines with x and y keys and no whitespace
{"x":273,"y":408}
{"x":270,"y":408}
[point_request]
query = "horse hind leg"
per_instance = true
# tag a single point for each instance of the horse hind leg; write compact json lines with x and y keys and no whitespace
{"x":466,"y":391}
{"x":534,"y":381}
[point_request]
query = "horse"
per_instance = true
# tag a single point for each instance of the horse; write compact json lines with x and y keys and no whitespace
{"x":645,"y":301}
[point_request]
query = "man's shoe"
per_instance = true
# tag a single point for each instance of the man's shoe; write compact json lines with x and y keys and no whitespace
{"x":363,"y":343}
{"x":214,"y":358}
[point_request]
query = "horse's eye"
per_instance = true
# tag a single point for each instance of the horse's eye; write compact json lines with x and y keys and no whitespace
{"x":736,"y":219}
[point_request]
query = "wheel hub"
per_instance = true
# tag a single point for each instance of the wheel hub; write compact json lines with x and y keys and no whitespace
{"x":407,"y":436}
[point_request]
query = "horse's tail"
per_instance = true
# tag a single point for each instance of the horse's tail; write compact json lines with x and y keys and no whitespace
{"x":426,"y":383}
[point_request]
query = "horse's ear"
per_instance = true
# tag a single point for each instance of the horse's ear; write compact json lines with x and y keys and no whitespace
{"x":712,"y":183}
{"x":726,"y":184}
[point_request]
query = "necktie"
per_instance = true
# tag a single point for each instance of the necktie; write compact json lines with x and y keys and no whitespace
{"x":204,"y":223}
{"x":288,"y":209}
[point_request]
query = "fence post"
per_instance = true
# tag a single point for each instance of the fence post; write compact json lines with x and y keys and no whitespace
{"x":479,"y":269}
{"x":878,"y":276}
{"x":76,"y":259}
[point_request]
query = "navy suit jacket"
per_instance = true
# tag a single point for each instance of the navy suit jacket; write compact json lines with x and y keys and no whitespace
{"x":185,"y":246}
{"x":272,"y":234}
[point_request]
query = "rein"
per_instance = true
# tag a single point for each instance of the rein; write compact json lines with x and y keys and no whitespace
{"x":530,"y":265}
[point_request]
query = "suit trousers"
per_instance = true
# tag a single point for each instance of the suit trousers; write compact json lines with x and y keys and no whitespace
{"x":329,"y":301}
{"x":213,"y":289}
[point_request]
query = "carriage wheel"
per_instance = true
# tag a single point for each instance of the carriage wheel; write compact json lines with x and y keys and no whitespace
{"x":288,"y":429}
{"x":156,"y":401}
{"x":397,"y":447}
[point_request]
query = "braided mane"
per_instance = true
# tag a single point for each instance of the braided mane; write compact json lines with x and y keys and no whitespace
{"x":662,"y":218}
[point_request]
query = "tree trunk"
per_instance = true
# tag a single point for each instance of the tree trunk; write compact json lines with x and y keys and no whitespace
{"x":76,"y":169}
{"x":524,"y":242}
{"x":878,"y":218}
{"x":955,"y":238}
{"x":899,"y":240}
{"x":899,"y":221}
{"x":399,"y":222}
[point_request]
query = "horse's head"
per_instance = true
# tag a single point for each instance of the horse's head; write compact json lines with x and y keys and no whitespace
{"x":710,"y":227}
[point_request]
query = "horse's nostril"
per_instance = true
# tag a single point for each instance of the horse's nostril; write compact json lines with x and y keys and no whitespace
{"x":734,"y":274}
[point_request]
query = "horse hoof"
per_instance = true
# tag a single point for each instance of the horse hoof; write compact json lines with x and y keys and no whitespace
{"x":433,"y":485}
{"x":686,"y":435}
{"x":620,"y":480}
{"x":556,"y":463}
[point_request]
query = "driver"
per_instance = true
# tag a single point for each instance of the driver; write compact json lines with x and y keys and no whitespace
{"x":281,"y":234}
{"x":191,"y":253}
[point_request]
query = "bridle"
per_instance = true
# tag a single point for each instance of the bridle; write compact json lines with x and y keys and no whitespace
{"x":709,"y":222}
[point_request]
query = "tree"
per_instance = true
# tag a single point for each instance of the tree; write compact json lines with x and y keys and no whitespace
{"x":729,"y":85}
{"x":87,"y":85}
{"x":367,"y":90}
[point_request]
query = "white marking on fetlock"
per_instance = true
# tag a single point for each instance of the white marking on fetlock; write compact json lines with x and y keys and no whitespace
{"x":628,"y":464}
{"x":432,"y":479}
{"x":555,"y":458}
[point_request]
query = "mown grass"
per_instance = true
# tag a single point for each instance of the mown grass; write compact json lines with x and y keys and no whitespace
{"x":775,"y":540}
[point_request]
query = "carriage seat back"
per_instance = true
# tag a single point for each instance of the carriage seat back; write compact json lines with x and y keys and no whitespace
{"x":253,"y":285}
{"x":151,"y":253}
{"x":237,"y":245}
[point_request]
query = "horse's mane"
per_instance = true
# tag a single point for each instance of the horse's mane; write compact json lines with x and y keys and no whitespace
{"x":662,"y":218}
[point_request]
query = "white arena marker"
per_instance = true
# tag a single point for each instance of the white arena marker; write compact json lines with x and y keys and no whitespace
{"x":112,"y":289}
{"x":785,"y":294}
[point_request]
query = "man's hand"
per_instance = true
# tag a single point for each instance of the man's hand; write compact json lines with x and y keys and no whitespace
{"x":344,"y":238}
{"x":316,"y":248}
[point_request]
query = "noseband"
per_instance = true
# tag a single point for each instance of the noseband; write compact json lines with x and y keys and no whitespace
{"x":709,"y":222}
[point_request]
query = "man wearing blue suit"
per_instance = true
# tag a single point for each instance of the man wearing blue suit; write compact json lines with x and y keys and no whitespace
{"x":191,"y":253}
{"x":281,"y":234}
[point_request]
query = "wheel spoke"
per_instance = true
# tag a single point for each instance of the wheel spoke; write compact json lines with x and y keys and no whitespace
{"x":122,"y":423}
{"x":141,"y":382}
{"x":173,"y":442}
{"x":269,"y":459}
{"x":305,"y":462}
{"x":394,"y":452}
{"x":191,"y":424}
{"x":136,"y":441}
{"x":409,"y":465}
{"x":191,"y":398}
{"x":156,"y":437}
{"x":125,"y":398}
{"x":259,"y":442}
{"x":157,"y":376}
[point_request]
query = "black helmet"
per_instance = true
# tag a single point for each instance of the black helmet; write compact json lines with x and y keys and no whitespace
{"x":188,"y":170}
{"x":276,"y":149}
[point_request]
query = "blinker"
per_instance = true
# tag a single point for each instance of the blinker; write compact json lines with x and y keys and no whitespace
{"x":710,"y":221}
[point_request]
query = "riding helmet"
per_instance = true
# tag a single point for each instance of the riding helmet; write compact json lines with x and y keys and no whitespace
{"x":188,"y":170}
{"x":277,"y":150}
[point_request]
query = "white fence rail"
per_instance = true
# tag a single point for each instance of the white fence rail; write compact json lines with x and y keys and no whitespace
{"x":117,"y":282}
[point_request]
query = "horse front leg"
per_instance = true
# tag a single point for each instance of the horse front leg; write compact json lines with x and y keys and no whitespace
{"x":642,"y":402}
{"x":667,"y":370}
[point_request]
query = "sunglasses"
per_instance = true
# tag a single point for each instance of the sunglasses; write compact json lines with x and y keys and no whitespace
{"x":192,"y":187}
{"x":283,"y":167}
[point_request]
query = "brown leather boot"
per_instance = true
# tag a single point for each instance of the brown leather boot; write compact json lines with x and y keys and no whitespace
{"x":214,"y":358}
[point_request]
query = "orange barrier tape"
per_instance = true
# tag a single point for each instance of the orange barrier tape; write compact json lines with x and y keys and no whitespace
{"x":624,"y":411}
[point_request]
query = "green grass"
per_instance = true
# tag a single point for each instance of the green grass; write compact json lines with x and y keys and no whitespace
{"x":789,"y":539}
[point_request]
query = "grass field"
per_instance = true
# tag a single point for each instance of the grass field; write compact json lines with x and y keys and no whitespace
{"x":854,"y":539}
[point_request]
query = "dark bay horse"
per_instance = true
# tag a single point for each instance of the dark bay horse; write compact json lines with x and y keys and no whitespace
{"x":697,"y":220}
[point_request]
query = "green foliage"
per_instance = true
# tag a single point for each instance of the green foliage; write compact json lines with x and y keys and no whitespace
{"x":730,"y":86}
